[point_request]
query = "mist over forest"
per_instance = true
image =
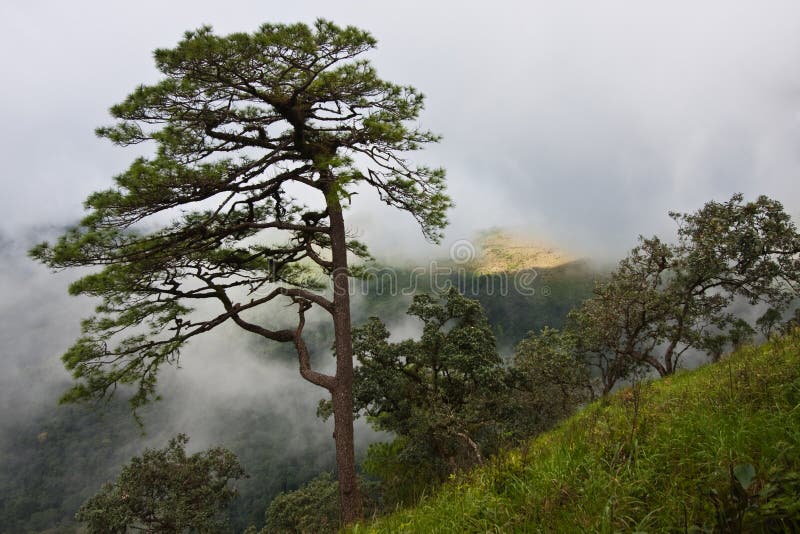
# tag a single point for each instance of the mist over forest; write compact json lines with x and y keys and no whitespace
{"x":230,"y":389}
{"x":568,"y":137}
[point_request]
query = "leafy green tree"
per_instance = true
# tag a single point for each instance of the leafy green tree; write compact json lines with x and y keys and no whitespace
{"x":664,"y":299}
{"x":449,"y":398}
{"x":313,"y":508}
{"x":166,"y":491}
{"x":437,"y":393}
{"x":618,"y":329}
{"x":548,"y":380}
{"x":243,"y":125}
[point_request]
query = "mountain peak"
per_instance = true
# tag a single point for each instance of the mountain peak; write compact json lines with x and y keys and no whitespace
{"x":501,"y":250}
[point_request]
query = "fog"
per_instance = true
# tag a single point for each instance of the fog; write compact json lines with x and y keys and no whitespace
{"x":580,"y":123}
{"x":230,"y":388}
{"x":229,"y":368}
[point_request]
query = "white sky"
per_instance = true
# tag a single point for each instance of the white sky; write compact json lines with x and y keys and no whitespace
{"x":581,"y":122}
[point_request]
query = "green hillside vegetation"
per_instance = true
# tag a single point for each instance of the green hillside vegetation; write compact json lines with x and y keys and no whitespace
{"x":712,"y":450}
{"x":450,"y":401}
{"x":50,"y":464}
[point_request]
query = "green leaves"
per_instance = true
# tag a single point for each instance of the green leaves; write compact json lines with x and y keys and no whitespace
{"x":751,"y":248}
{"x":548,"y":380}
{"x":437,"y":393}
{"x":745,"y":474}
{"x":165,"y":490}
{"x":240,"y":123}
{"x":665,"y":299}
{"x":313,"y":507}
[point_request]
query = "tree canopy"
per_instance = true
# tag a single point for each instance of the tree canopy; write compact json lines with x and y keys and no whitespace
{"x":166,"y":491}
{"x":666,"y":299}
{"x":449,"y":398}
{"x":431,"y":390}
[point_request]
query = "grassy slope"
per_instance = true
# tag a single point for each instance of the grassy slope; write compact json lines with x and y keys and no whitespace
{"x":618,"y":467}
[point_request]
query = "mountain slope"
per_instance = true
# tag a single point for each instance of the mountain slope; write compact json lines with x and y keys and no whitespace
{"x":502,"y":251}
{"x":713,"y":450}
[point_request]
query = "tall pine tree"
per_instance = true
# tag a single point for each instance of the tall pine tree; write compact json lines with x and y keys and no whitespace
{"x":240,"y":123}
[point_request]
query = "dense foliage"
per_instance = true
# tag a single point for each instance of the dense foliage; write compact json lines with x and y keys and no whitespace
{"x":432,"y":392}
{"x":165,"y":491}
{"x":44,"y":481}
{"x":664,"y":300}
{"x":451,"y":402}
{"x":448,"y":397}
{"x":546,"y":381}
{"x":430,"y":389}
{"x":314,"y":508}
{"x":54,"y":462}
{"x":240,"y":123}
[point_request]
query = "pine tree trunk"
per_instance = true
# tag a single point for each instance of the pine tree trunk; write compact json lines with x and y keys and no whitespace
{"x":342,"y":395}
{"x":349,"y":494}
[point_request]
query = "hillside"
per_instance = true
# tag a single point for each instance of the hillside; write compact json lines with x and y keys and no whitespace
{"x":523,"y":283}
{"x":712,"y":450}
{"x":502,"y":251}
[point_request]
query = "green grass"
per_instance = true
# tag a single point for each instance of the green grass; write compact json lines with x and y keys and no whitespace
{"x":655,"y":458}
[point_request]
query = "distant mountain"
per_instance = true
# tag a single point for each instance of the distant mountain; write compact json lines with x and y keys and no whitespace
{"x":501,"y":251}
{"x":523,"y":283}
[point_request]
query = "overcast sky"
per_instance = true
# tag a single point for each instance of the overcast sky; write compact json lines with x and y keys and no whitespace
{"x":583,"y":123}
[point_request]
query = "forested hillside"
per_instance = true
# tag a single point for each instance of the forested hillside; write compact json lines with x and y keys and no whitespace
{"x":712,"y":450}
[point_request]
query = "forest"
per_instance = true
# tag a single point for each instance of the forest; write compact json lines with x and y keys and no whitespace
{"x":507,"y":385}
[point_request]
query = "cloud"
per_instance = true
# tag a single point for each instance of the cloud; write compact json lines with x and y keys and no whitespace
{"x":582,"y":124}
